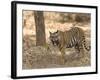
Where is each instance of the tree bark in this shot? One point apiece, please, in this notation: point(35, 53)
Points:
point(40, 28)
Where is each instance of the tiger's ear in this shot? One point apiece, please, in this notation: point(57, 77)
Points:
point(50, 32)
point(57, 31)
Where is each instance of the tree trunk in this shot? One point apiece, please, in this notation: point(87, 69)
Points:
point(40, 28)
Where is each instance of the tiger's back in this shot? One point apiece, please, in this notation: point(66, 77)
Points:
point(73, 37)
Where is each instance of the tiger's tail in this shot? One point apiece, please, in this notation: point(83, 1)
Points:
point(85, 46)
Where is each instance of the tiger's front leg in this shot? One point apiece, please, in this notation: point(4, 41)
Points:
point(62, 50)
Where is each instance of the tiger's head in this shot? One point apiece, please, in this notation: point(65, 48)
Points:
point(54, 38)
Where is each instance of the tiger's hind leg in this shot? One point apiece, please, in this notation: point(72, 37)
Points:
point(80, 50)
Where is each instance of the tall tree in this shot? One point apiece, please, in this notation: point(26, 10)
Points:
point(40, 28)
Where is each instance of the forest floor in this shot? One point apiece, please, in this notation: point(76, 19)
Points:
point(40, 57)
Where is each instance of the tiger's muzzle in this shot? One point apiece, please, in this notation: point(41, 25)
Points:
point(55, 42)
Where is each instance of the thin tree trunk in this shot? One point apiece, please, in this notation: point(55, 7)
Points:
point(40, 28)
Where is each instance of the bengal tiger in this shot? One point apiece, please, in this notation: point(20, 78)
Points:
point(75, 37)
